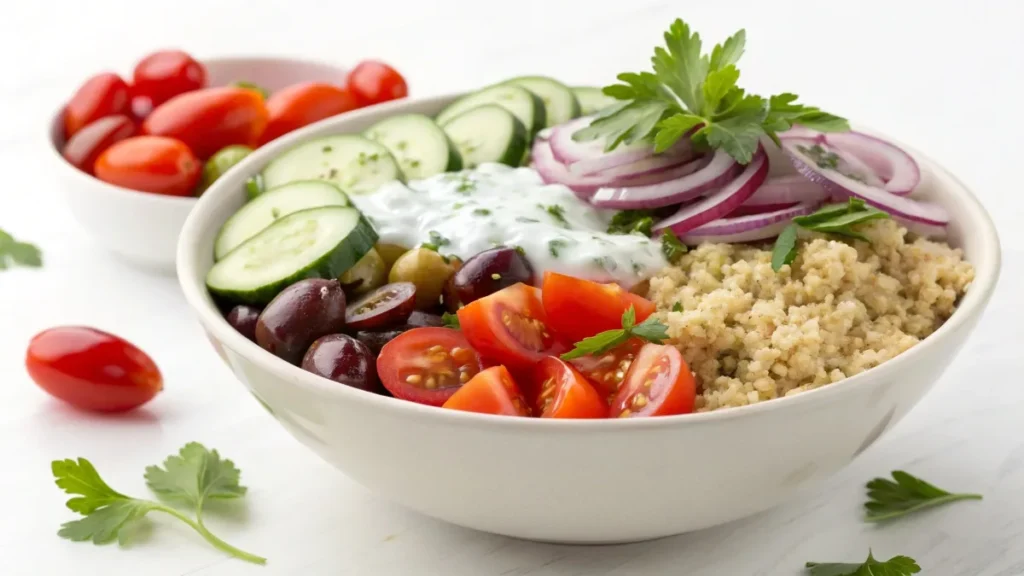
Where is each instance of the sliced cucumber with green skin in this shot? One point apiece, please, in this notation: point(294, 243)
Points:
point(353, 163)
point(525, 105)
point(560, 104)
point(488, 133)
point(419, 145)
point(592, 100)
point(315, 243)
point(268, 207)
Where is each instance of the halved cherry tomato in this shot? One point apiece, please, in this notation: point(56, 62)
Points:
point(606, 371)
point(210, 119)
point(659, 383)
point(165, 74)
point(92, 369)
point(427, 365)
point(373, 82)
point(492, 391)
point(562, 392)
point(150, 164)
point(102, 95)
point(87, 144)
point(302, 104)
point(578, 308)
point(509, 327)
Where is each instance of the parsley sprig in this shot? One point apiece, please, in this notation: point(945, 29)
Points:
point(895, 566)
point(838, 219)
point(696, 95)
point(193, 477)
point(451, 321)
point(905, 494)
point(15, 253)
point(650, 330)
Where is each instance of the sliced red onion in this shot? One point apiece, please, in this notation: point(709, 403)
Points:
point(783, 191)
point(748, 228)
point(720, 203)
point(892, 164)
point(585, 158)
point(713, 173)
point(746, 210)
point(802, 152)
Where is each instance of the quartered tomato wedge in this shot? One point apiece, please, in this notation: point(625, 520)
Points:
point(427, 365)
point(606, 371)
point(578, 308)
point(562, 392)
point(659, 383)
point(509, 327)
point(492, 391)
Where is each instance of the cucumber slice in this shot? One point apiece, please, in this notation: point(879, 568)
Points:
point(263, 210)
point(353, 163)
point(488, 133)
point(315, 243)
point(560, 104)
point(418, 143)
point(592, 100)
point(525, 105)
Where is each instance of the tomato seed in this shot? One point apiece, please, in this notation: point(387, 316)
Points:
point(639, 401)
point(625, 413)
point(431, 383)
point(413, 379)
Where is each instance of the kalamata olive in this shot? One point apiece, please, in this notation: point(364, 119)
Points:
point(424, 319)
point(243, 318)
point(300, 314)
point(388, 305)
point(488, 272)
point(344, 359)
point(376, 339)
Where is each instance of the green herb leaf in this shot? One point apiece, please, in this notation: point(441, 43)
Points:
point(672, 247)
point(650, 330)
point(718, 84)
point(629, 318)
point(13, 252)
point(895, 566)
point(451, 321)
point(254, 87)
point(630, 221)
point(194, 476)
point(558, 213)
point(481, 212)
point(784, 251)
point(556, 245)
point(905, 494)
point(672, 128)
point(677, 307)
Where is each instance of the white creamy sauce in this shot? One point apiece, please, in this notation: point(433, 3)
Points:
point(467, 212)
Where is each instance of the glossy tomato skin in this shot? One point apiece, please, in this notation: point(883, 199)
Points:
point(427, 365)
point(373, 82)
point(509, 327)
point(150, 164)
point(82, 149)
point(492, 391)
point(659, 383)
point(578, 308)
point(607, 370)
point(562, 392)
point(301, 104)
point(91, 369)
point(162, 75)
point(102, 95)
point(210, 119)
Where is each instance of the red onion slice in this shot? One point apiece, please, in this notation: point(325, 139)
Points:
point(898, 169)
point(584, 158)
point(783, 191)
point(748, 228)
point(720, 203)
point(746, 210)
point(713, 173)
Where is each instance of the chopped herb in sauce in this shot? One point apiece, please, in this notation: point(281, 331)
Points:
point(558, 213)
point(481, 212)
point(630, 221)
point(327, 149)
point(525, 220)
point(401, 145)
point(823, 158)
point(332, 173)
point(466, 186)
point(555, 245)
point(436, 241)
point(458, 205)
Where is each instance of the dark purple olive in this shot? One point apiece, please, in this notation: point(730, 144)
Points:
point(376, 339)
point(300, 314)
point(420, 319)
point(344, 359)
point(386, 306)
point(243, 318)
point(485, 274)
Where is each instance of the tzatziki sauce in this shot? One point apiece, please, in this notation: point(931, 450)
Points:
point(465, 213)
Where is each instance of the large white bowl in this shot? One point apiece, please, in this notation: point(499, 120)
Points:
point(599, 481)
point(143, 228)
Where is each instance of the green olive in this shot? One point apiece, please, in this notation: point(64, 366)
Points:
point(219, 163)
point(390, 253)
point(368, 274)
point(427, 270)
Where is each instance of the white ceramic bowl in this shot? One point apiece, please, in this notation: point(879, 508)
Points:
point(598, 481)
point(143, 228)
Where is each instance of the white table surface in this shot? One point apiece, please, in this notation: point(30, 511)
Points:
point(947, 78)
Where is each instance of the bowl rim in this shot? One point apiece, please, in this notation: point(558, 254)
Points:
point(193, 286)
point(55, 128)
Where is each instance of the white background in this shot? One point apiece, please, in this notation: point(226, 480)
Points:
point(945, 76)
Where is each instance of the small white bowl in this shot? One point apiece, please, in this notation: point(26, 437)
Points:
point(596, 481)
point(141, 227)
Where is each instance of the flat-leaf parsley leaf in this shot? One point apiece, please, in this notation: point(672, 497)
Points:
point(650, 330)
point(13, 252)
point(895, 566)
point(905, 494)
point(838, 219)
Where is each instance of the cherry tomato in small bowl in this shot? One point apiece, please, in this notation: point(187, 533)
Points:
point(102, 95)
point(510, 328)
point(427, 365)
point(87, 144)
point(91, 369)
point(210, 119)
point(150, 164)
point(578, 308)
point(562, 392)
point(373, 82)
point(659, 383)
point(298, 105)
point(162, 75)
point(492, 391)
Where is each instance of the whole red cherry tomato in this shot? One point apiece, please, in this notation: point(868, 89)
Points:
point(102, 95)
point(210, 119)
point(87, 144)
point(92, 369)
point(150, 164)
point(165, 74)
point(373, 82)
point(301, 104)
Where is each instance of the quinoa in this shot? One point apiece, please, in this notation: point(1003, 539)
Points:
point(752, 334)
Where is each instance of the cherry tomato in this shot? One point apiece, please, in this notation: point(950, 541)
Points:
point(578, 308)
point(607, 371)
point(492, 391)
point(150, 164)
point(91, 369)
point(373, 82)
point(87, 144)
point(659, 383)
point(210, 119)
point(165, 74)
point(301, 104)
point(102, 95)
point(427, 365)
point(562, 392)
point(510, 328)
